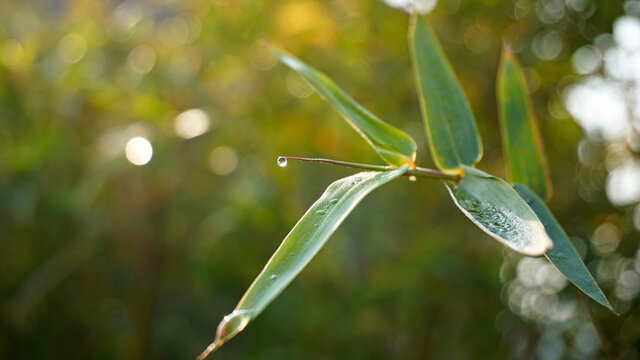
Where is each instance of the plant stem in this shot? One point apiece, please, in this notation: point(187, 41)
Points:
point(418, 171)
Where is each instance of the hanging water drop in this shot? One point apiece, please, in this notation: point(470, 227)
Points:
point(282, 161)
point(412, 178)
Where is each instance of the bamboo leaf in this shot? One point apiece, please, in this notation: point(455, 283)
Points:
point(563, 255)
point(451, 128)
point(499, 211)
point(521, 141)
point(300, 246)
point(393, 145)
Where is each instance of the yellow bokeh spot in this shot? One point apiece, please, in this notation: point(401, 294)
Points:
point(308, 18)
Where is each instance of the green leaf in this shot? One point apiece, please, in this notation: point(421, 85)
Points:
point(563, 255)
point(451, 128)
point(500, 212)
point(521, 141)
point(393, 145)
point(301, 245)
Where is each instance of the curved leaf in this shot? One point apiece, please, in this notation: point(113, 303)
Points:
point(521, 141)
point(563, 255)
point(300, 246)
point(451, 128)
point(393, 145)
point(500, 212)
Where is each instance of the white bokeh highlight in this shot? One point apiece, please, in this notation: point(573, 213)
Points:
point(191, 123)
point(138, 151)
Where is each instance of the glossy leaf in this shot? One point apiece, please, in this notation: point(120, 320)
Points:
point(521, 141)
point(301, 245)
point(393, 145)
point(451, 128)
point(563, 255)
point(499, 211)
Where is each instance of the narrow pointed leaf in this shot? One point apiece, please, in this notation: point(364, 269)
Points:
point(563, 255)
point(301, 245)
point(394, 146)
point(499, 211)
point(521, 141)
point(451, 128)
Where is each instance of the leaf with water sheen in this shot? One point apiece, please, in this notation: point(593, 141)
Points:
point(563, 255)
point(521, 141)
point(393, 145)
point(499, 211)
point(451, 128)
point(300, 246)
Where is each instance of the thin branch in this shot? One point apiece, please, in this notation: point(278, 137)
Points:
point(417, 172)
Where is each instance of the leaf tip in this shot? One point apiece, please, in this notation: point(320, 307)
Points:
point(605, 302)
point(539, 248)
point(229, 327)
point(506, 50)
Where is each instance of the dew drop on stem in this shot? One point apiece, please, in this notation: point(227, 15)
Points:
point(282, 161)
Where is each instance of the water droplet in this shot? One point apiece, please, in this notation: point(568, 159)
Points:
point(412, 178)
point(498, 220)
point(321, 212)
point(273, 277)
point(355, 181)
point(282, 161)
point(315, 225)
point(333, 201)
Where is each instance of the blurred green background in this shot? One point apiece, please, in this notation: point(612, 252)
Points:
point(101, 258)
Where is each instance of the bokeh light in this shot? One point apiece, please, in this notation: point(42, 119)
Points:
point(223, 160)
point(138, 151)
point(298, 86)
point(191, 123)
point(72, 48)
point(142, 59)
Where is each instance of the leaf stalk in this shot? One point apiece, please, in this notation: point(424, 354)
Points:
point(417, 172)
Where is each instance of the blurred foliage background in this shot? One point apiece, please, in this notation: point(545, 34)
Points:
point(139, 194)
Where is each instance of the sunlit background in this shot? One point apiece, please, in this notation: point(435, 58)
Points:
point(140, 195)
